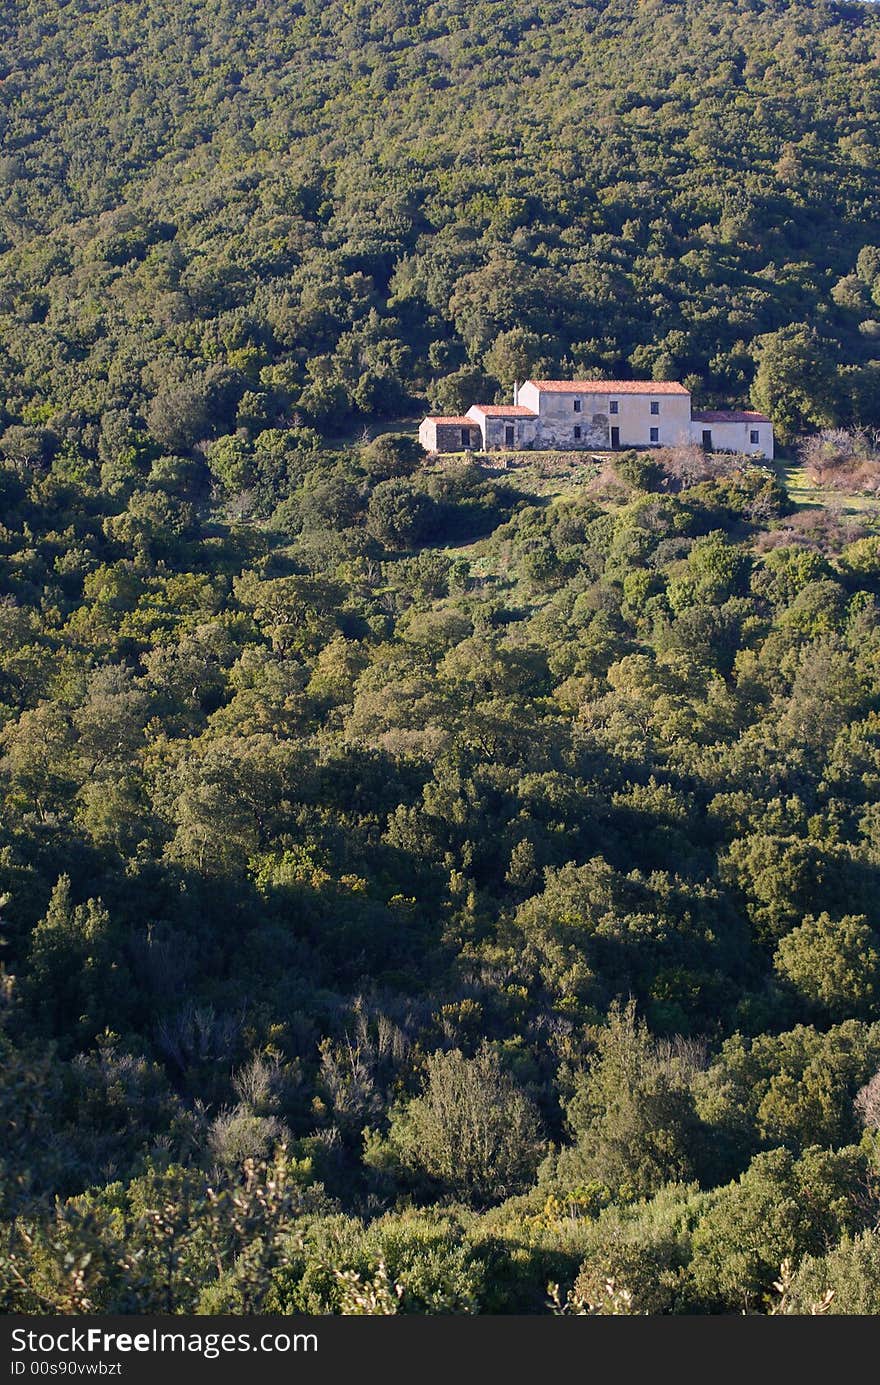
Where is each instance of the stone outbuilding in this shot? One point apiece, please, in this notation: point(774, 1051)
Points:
point(450, 434)
point(505, 425)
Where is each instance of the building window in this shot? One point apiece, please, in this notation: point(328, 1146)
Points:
point(577, 432)
point(655, 434)
point(612, 407)
point(577, 406)
point(508, 435)
point(754, 436)
point(465, 437)
point(655, 406)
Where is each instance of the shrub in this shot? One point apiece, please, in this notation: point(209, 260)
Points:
point(471, 1130)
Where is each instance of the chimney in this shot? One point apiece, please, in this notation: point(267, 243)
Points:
point(516, 392)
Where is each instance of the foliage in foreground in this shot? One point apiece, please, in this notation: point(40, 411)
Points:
point(507, 913)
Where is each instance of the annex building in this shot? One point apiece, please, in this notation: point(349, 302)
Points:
point(598, 414)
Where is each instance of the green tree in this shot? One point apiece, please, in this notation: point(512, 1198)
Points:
point(795, 380)
point(69, 962)
point(780, 1209)
point(178, 416)
point(393, 454)
point(515, 356)
point(632, 1112)
point(399, 515)
point(833, 963)
point(851, 1271)
point(472, 1130)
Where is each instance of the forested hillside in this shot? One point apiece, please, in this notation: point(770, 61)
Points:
point(426, 884)
point(222, 215)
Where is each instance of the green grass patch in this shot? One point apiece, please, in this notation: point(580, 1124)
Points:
point(807, 495)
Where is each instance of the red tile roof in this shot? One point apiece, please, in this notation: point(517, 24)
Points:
point(505, 410)
point(609, 386)
point(728, 416)
point(453, 420)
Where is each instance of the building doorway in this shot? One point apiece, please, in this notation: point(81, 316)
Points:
point(615, 437)
point(508, 435)
point(707, 439)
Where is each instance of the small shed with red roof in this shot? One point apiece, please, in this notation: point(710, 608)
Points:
point(733, 430)
point(449, 433)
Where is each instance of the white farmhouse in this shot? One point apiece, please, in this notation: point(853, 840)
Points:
point(598, 414)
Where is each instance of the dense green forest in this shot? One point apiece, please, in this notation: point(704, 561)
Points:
point(231, 215)
point(426, 884)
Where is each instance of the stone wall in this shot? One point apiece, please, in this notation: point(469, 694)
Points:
point(557, 424)
point(559, 417)
point(495, 434)
point(437, 436)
